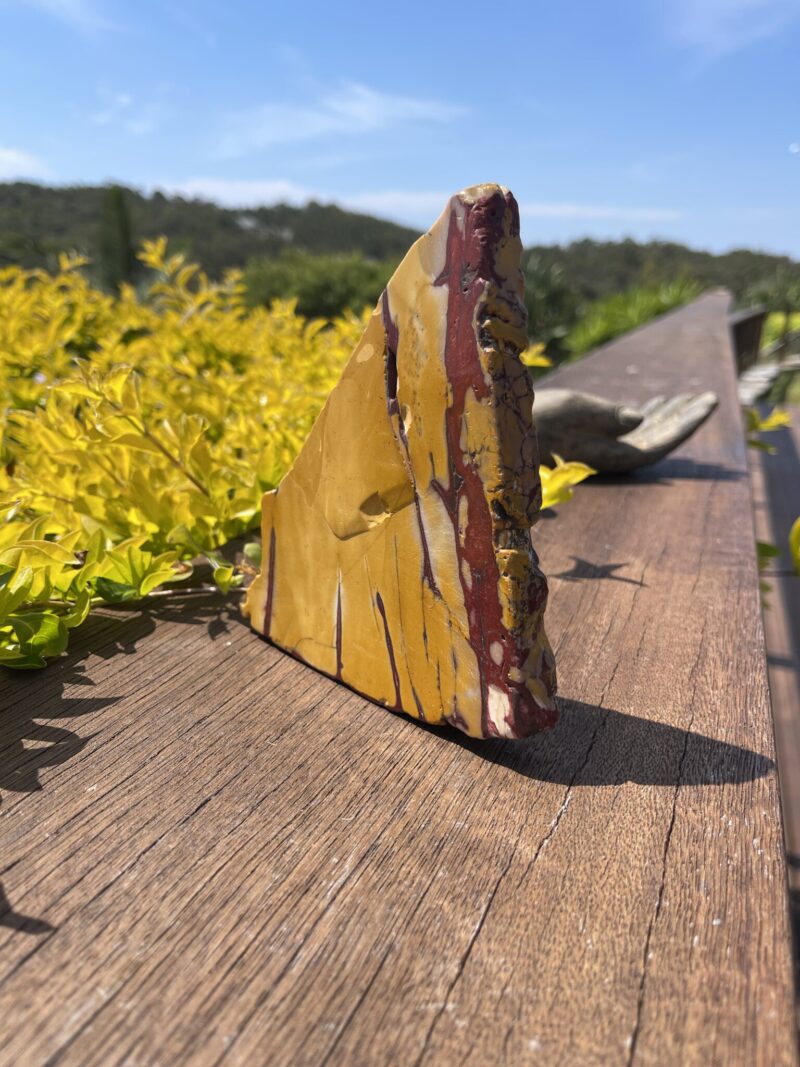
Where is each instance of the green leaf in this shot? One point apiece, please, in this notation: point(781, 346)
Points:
point(14, 592)
point(557, 482)
point(159, 576)
point(794, 543)
point(36, 554)
point(765, 551)
point(79, 610)
point(11, 656)
point(762, 446)
point(114, 386)
point(534, 356)
point(225, 577)
point(776, 420)
point(78, 389)
point(253, 551)
point(39, 634)
point(9, 509)
point(137, 441)
point(115, 592)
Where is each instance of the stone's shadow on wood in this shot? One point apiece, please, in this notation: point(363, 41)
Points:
point(582, 569)
point(593, 746)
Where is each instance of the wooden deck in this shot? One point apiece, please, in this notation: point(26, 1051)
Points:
point(213, 855)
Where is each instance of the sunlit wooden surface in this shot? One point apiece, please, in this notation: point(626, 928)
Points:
point(210, 854)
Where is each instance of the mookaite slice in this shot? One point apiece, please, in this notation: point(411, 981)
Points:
point(397, 550)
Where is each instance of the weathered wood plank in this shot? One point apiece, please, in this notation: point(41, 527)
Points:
point(776, 497)
point(243, 862)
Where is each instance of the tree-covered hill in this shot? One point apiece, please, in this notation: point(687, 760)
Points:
point(600, 268)
point(37, 222)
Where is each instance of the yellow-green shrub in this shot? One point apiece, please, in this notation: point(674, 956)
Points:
point(777, 324)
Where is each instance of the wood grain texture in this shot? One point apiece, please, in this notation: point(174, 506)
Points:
point(213, 855)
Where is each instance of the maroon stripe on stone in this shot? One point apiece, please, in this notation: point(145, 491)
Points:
point(270, 583)
point(471, 250)
point(339, 630)
point(390, 648)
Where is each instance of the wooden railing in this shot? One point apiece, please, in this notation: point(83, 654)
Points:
point(213, 855)
point(747, 326)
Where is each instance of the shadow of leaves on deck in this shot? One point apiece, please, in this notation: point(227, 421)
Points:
point(30, 696)
point(582, 569)
point(29, 746)
point(15, 920)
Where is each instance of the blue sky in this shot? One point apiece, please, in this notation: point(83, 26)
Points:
point(648, 118)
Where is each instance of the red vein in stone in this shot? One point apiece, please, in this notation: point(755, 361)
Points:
point(339, 629)
point(390, 649)
point(270, 583)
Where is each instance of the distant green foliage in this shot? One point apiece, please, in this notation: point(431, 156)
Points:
point(608, 318)
point(323, 285)
point(552, 304)
point(601, 268)
point(38, 222)
point(755, 425)
point(780, 295)
point(775, 326)
point(117, 255)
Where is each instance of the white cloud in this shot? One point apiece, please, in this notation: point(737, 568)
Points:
point(400, 205)
point(122, 111)
point(17, 163)
point(597, 211)
point(238, 193)
point(114, 104)
point(349, 109)
point(716, 27)
point(418, 208)
point(243, 193)
point(82, 15)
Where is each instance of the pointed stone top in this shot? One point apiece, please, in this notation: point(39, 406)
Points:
point(474, 193)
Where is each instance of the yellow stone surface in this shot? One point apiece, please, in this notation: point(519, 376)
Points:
point(397, 550)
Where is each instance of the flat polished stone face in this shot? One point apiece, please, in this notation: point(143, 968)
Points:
point(397, 550)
